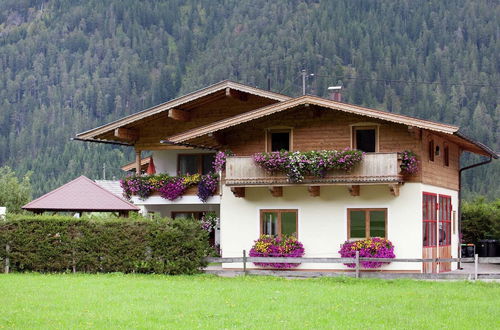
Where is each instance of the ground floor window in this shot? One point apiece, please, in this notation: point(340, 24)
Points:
point(444, 220)
point(429, 219)
point(365, 223)
point(188, 214)
point(279, 222)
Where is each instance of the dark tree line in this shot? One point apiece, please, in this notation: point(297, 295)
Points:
point(67, 66)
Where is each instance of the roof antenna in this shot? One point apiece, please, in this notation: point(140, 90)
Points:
point(304, 75)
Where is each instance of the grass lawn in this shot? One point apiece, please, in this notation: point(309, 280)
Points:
point(204, 301)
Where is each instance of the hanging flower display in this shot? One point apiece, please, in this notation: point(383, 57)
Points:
point(409, 163)
point(169, 187)
point(270, 246)
point(298, 164)
point(219, 163)
point(368, 248)
point(209, 221)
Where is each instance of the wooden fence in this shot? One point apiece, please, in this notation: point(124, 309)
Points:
point(356, 261)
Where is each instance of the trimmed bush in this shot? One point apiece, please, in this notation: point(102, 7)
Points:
point(63, 244)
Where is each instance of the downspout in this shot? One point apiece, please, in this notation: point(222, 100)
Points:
point(460, 203)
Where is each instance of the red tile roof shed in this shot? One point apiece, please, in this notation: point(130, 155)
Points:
point(80, 195)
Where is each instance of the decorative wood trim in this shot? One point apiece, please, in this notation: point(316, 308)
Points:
point(394, 189)
point(276, 191)
point(354, 190)
point(314, 191)
point(236, 94)
point(180, 115)
point(126, 134)
point(238, 192)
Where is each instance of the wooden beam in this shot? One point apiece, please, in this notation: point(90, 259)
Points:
point(180, 115)
point(238, 192)
point(394, 188)
point(276, 191)
point(314, 191)
point(138, 162)
point(126, 134)
point(236, 94)
point(354, 190)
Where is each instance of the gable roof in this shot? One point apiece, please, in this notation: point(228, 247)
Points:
point(328, 104)
point(79, 195)
point(91, 135)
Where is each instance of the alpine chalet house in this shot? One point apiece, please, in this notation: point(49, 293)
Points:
point(378, 191)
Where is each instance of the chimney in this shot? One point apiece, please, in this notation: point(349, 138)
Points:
point(335, 94)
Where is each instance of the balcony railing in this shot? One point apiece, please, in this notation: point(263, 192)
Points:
point(374, 168)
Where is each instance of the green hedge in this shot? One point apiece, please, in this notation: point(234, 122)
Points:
point(64, 244)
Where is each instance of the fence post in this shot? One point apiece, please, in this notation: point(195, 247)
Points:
point(476, 262)
point(244, 262)
point(7, 258)
point(357, 264)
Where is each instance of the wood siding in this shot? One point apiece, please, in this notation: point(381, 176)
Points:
point(316, 129)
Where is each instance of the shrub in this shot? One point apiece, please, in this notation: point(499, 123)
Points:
point(270, 246)
point(480, 220)
point(368, 248)
point(60, 244)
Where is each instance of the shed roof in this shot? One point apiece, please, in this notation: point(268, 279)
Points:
point(80, 195)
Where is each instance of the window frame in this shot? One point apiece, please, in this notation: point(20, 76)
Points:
point(446, 155)
point(199, 161)
point(433, 241)
point(269, 137)
point(365, 126)
point(367, 221)
point(200, 214)
point(445, 208)
point(279, 211)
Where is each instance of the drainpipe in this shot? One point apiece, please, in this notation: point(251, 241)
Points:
point(460, 203)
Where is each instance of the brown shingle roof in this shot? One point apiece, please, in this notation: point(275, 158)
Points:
point(80, 195)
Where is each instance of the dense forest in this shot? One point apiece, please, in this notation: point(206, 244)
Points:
point(67, 66)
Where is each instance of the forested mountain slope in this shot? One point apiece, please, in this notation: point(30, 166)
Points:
point(67, 66)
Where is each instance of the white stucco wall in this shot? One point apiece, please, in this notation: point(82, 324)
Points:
point(322, 221)
point(166, 160)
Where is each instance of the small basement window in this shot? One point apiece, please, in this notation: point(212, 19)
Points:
point(279, 140)
point(365, 138)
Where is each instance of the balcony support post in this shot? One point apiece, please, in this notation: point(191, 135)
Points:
point(276, 191)
point(353, 190)
point(137, 162)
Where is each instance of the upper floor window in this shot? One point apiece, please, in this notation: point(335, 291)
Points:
point(365, 223)
point(279, 139)
point(365, 138)
point(195, 163)
point(446, 155)
point(278, 222)
point(431, 150)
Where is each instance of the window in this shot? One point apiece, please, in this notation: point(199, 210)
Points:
point(195, 163)
point(279, 139)
point(446, 155)
point(429, 218)
point(278, 222)
point(444, 220)
point(365, 138)
point(365, 223)
point(188, 215)
point(431, 150)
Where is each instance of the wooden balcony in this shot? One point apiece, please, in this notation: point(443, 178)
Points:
point(375, 168)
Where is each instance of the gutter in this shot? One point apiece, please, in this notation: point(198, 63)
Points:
point(460, 202)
